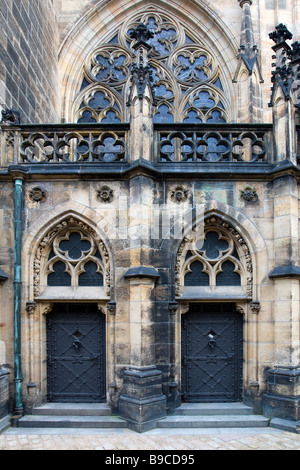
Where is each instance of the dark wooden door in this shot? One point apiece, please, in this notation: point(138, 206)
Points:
point(212, 353)
point(76, 359)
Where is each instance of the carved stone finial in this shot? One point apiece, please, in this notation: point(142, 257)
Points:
point(141, 33)
point(141, 73)
point(287, 59)
point(295, 53)
point(281, 34)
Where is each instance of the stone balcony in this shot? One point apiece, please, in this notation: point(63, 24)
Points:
point(204, 149)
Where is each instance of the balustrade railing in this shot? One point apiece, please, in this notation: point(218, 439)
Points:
point(74, 144)
point(110, 144)
point(212, 144)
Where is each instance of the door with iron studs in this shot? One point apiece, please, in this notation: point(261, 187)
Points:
point(212, 353)
point(76, 359)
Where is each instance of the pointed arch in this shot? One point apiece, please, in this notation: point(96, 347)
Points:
point(49, 251)
point(246, 247)
point(100, 24)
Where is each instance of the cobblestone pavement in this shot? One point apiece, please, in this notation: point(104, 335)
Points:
point(171, 440)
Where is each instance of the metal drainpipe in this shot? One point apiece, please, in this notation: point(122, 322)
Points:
point(17, 297)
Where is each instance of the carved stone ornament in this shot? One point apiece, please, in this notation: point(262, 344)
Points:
point(141, 33)
point(55, 235)
point(30, 307)
point(10, 117)
point(37, 195)
point(255, 307)
point(10, 139)
point(179, 194)
point(234, 240)
point(111, 308)
point(105, 194)
point(173, 307)
point(249, 194)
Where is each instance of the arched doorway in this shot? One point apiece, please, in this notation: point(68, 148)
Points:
point(69, 348)
point(214, 278)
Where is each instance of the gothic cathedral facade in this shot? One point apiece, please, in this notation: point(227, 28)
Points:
point(149, 206)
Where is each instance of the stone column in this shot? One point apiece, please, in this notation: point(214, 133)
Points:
point(283, 396)
point(282, 399)
point(142, 402)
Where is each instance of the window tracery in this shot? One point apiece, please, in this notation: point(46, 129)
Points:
point(186, 77)
point(221, 259)
point(71, 255)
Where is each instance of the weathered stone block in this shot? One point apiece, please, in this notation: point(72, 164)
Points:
point(282, 399)
point(4, 398)
point(142, 403)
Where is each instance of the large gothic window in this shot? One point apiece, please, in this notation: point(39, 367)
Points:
point(187, 82)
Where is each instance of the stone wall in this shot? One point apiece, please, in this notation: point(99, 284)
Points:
point(28, 59)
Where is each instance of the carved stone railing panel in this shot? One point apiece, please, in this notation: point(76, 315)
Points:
point(72, 145)
point(90, 144)
point(223, 143)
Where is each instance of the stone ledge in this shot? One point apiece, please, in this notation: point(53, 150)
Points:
point(142, 272)
point(285, 271)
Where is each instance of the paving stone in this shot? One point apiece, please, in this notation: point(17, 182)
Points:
point(214, 439)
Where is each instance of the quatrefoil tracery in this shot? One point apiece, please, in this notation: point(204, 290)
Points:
point(72, 253)
point(216, 255)
point(179, 63)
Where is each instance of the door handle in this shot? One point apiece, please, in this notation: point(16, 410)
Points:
point(76, 344)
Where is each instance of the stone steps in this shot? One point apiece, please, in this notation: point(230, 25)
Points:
point(72, 415)
point(189, 415)
point(213, 415)
point(79, 409)
point(54, 421)
point(213, 409)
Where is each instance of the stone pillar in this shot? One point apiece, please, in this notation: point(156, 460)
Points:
point(142, 402)
point(282, 399)
point(283, 396)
